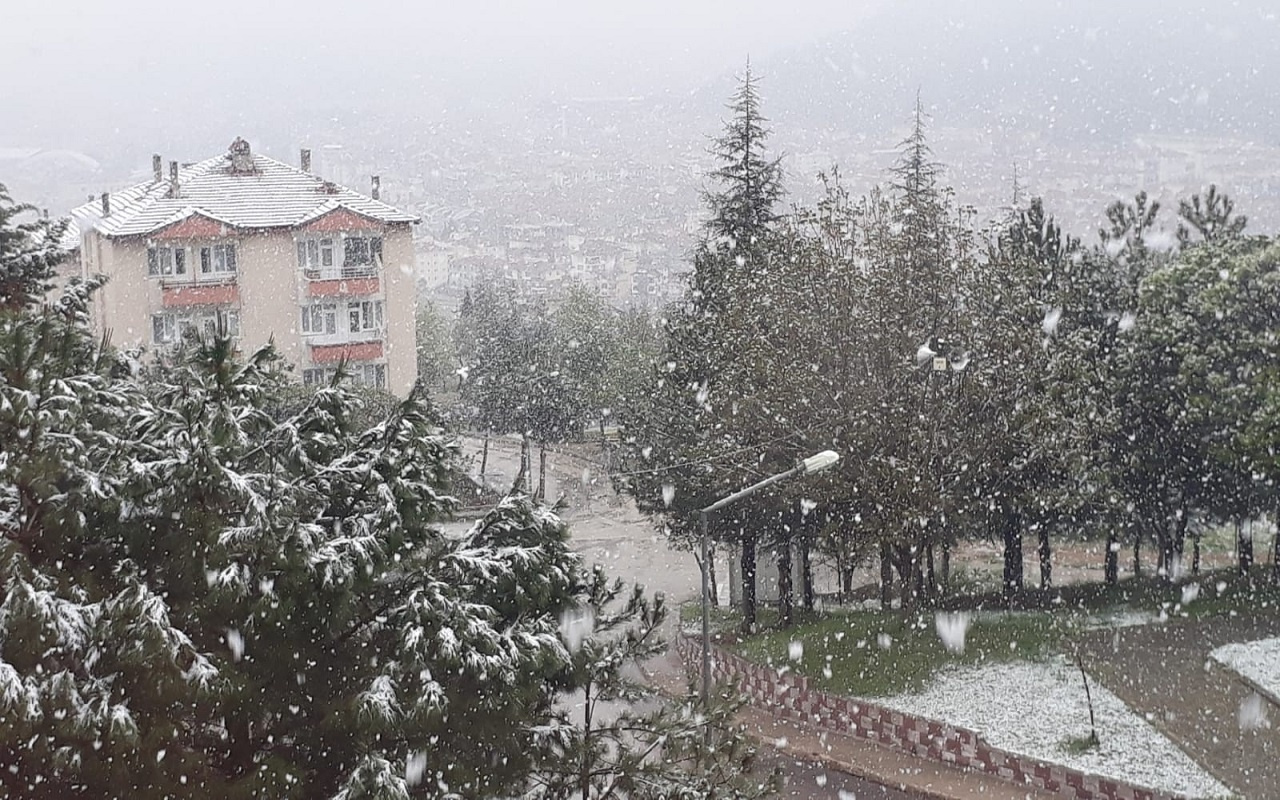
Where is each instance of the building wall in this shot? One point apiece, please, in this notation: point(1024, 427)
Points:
point(401, 291)
point(271, 291)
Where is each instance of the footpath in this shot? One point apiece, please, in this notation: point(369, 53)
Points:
point(846, 754)
point(1164, 672)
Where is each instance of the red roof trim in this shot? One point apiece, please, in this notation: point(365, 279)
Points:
point(342, 219)
point(196, 226)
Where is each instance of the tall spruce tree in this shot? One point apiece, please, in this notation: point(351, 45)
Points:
point(684, 448)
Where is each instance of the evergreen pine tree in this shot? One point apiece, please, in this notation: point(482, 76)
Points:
point(688, 422)
point(29, 250)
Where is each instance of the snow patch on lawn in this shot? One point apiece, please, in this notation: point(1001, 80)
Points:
point(1258, 661)
point(1035, 708)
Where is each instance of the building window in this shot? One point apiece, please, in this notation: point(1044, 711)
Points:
point(166, 261)
point(317, 376)
point(218, 260)
point(364, 316)
point(315, 253)
point(319, 318)
point(362, 251)
point(174, 327)
point(374, 375)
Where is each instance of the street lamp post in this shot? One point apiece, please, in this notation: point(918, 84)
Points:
point(810, 465)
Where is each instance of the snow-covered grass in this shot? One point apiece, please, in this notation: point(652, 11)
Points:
point(861, 654)
point(1038, 709)
point(1258, 661)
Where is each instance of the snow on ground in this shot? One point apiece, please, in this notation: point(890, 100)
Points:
point(1258, 661)
point(1034, 708)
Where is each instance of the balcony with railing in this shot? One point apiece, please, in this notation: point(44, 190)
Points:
point(346, 351)
point(185, 294)
point(336, 266)
point(341, 281)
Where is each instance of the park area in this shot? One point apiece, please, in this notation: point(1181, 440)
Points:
point(1169, 685)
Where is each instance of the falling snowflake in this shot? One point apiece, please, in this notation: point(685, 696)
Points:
point(952, 628)
point(576, 625)
point(1050, 323)
point(1253, 713)
point(415, 768)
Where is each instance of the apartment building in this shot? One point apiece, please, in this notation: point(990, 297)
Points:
point(270, 251)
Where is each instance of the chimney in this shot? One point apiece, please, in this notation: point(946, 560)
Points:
point(157, 167)
point(306, 159)
point(377, 187)
point(106, 204)
point(173, 178)
point(241, 156)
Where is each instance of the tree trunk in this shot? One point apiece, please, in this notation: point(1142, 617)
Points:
point(1012, 534)
point(786, 592)
point(748, 580)
point(1244, 547)
point(1180, 541)
point(1195, 553)
point(542, 470)
point(1137, 554)
point(806, 575)
point(1046, 558)
point(484, 458)
point(946, 564)
point(604, 446)
point(931, 578)
point(1275, 548)
point(1111, 562)
point(912, 577)
point(522, 476)
point(711, 574)
point(886, 577)
point(1166, 553)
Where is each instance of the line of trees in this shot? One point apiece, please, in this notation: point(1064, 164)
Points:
point(998, 381)
point(548, 371)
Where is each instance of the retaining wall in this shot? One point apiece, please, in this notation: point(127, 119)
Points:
point(790, 696)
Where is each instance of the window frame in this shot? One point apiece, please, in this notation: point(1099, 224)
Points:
point(365, 316)
point(166, 261)
point(326, 313)
point(218, 261)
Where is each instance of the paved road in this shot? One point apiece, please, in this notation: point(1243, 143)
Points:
point(1163, 671)
point(807, 780)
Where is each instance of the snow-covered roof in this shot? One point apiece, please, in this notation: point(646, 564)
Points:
point(267, 194)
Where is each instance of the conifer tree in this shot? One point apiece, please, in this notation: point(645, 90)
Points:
point(676, 442)
point(29, 250)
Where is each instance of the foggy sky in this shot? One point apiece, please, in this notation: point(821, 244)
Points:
point(146, 67)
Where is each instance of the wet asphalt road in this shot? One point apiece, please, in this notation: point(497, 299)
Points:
point(806, 780)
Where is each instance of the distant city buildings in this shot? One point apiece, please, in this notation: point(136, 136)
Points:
point(267, 250)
